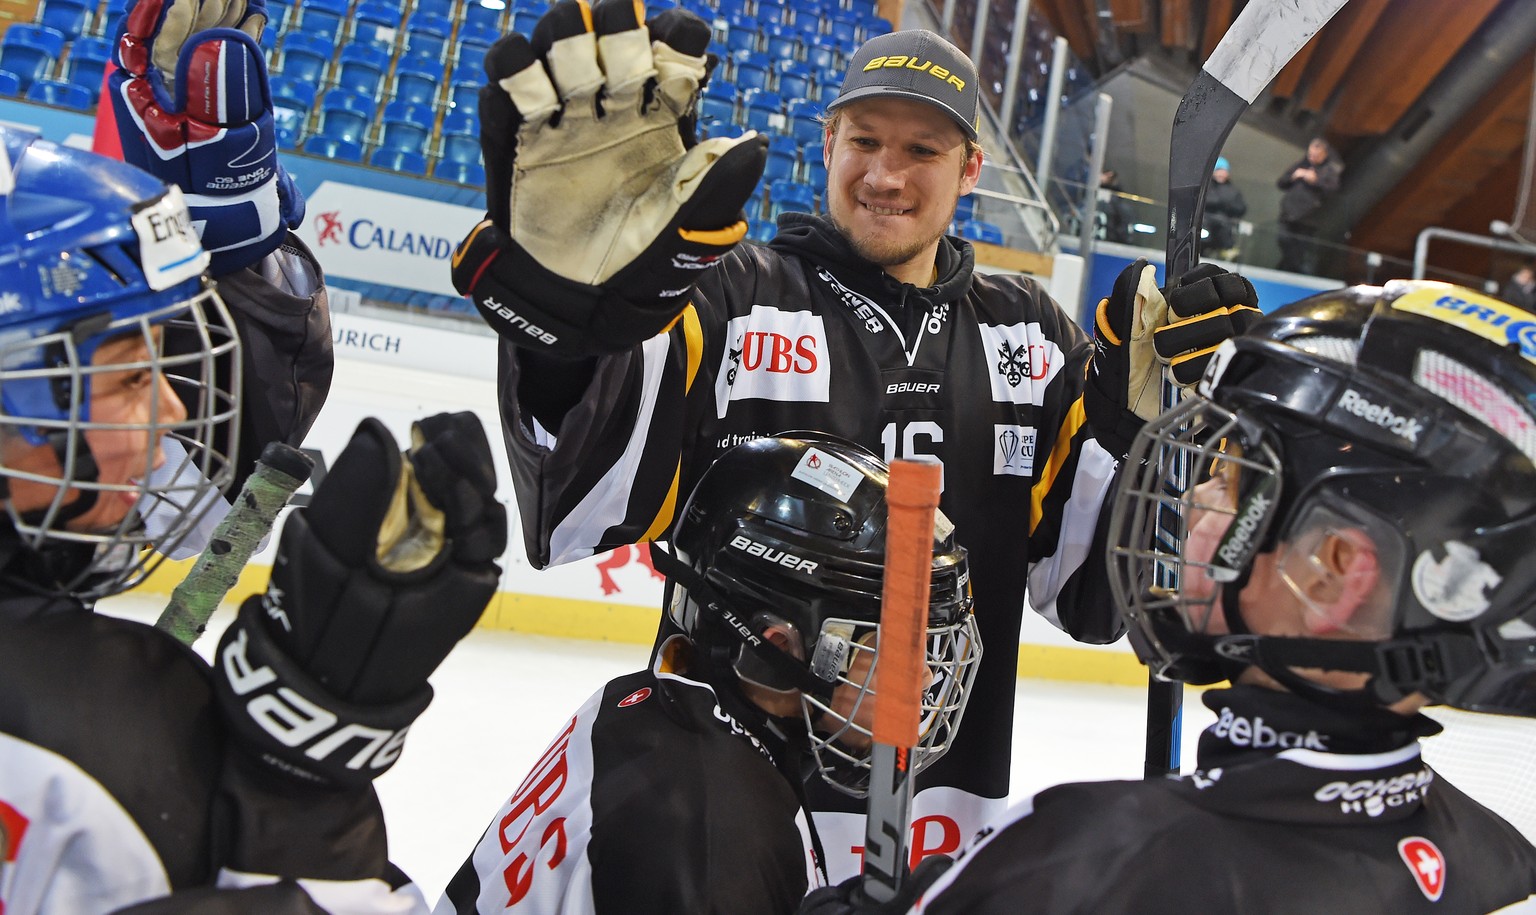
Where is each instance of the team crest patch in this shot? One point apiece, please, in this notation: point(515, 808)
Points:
point(636, 697)
point(1426, 864)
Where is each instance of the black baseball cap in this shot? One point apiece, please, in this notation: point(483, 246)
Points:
point(916, 64)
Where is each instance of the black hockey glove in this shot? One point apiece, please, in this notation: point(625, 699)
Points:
point(1139, 329)
point(389, 565)
point(602, 208)
point(847, 898)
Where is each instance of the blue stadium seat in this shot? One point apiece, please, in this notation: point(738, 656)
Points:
point(742, 37)
point(471, 173)
point(763, 111)
point(61, 94)
point(523, 21)
point(875, 27)
point(306, 57)
point(376, 22)
point(334, 148)
point(761, 230)
point(460, 139)
point(278, 17)
point(965, 209)
point(30, 51)
point(779, 167)
point(71, 18)
point(361, 69)
point(464, 95)
point(843, 27)
point(86, 62)
point(426, 35)
point(323, 18)
point(106, 24)
point(406, 126)
point(790, 197)
point(976, 230)
point(814, 172)
point(476, 38)
point(752, 70)
point(292, 102)
point(718, 101)
point(772, 14)
point(821, 55)
point(345, 115)
point(416, 80)
point(471, 64)
point(9, 84)
point(490, 17)
point(782, 43)
point(399, 160)
point(795, 79)
point(436, 7)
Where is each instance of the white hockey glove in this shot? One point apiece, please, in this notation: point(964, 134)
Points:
point(1139, 329)
point(602, 208)
point(193, 109)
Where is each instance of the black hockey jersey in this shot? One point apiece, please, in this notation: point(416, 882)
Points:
point(653, 800)
point(1294, 809)
point(982, 372)
point(118, 786)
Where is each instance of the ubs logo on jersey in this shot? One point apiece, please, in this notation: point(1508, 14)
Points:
point(1013, 450)
point(1022, 362)
point(774, 355)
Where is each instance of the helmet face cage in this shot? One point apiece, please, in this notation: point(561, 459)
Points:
point(952, 655)
point(1235, 477)
point(47, 386)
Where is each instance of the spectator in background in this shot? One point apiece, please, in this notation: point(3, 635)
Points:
point(1521, 288)
point(1224, 206)
point(1306, 185)
point(1116, 220)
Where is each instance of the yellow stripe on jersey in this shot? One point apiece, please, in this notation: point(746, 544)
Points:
point(1061, 449)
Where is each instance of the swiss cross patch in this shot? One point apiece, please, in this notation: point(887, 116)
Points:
point(636, 697)
point(1425, 863)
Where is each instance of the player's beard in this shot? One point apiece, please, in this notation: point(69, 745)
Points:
point(887, 252)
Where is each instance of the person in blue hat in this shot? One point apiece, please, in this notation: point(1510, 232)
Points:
point(1224, 206)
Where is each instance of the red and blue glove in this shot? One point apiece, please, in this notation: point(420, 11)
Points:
point(194, 110)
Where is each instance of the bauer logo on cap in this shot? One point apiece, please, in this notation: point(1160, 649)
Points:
point(916, 64)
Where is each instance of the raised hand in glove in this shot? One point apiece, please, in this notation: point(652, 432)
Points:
point(601, 207)
point(375, 580)
point(194, 110)
point(1139, 329)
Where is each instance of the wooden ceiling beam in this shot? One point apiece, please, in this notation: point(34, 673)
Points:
point(1341, 44)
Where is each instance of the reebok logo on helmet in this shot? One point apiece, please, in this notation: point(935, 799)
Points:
point(1404, 427)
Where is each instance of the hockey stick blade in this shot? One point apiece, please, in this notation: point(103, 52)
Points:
point(280, 471)
point(911, 498)
point(1261, 41)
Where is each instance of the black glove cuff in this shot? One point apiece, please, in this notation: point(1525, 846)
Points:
point(292, 723)
point(1113, 423)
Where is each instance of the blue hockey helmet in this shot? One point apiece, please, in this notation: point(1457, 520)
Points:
point(102, 294)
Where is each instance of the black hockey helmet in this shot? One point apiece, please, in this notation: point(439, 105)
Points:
point(791, 531)
point(1406, 413)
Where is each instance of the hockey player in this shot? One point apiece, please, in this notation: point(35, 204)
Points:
point(638, 344)
point(132, 775)
point(1361, 547)
point(675, 789)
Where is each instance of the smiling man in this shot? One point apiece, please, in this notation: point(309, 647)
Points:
point(660, 342)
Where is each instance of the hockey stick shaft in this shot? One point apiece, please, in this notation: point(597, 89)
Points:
point(911, 497)
point(1260, 42)
point(280, 471)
